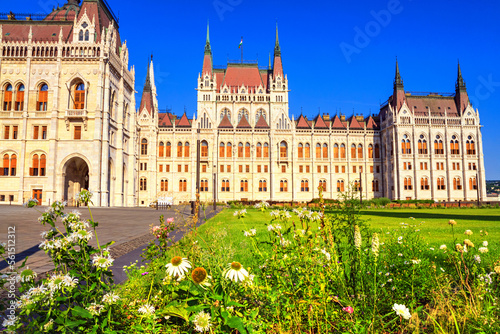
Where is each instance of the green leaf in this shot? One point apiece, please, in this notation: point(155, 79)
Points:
point(177, 311)
point(79, 311)
point(74, 323)
point(237, 323)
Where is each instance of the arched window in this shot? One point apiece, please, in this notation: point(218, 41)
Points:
point(472, 183)
point(259, 113)
point(142, 184)
point(283, 186)
point(144, 146)
point(353, 151)
point(377, 151)
point(454, 145)
point(325, 150)
point(469, 146)
point(457, 185)
point(186, 149)
point(222, 150)
point(407, 183)
point(79, 96)
point(13, 165)
point(375, 185)
point(335, 151)
point(318, 151)
point(161, 149)
point(7, 98)
point(244, 185)
point(422, 145)
point(204, 185)
point(405, 145)
point(19, 105)
point(283, 149)
point(225, 112)
point(360, 151)
point(438, 146)
point(322, 185)
point(242, 113)
point(357, 185)
point(43, 165)
point(204, 149)
point(247, 150)
point(266, 150)
point(41, 104)
point(262, 185)
point(5, 166)
point(440, 183)
point(86, 35)
point(424, 183)
point(168, 150)
point(225, 185)
point(240, 150)
point(179, 150)
point(370, 151)
point(340, 185)
point(342, 151)
point(229, 150)
point(304, 185)
point(164, 185)
point(259, 150)
point(307, 151)
point(80, 35)
point(182, 185)
point(300, 150)
point(35, 163)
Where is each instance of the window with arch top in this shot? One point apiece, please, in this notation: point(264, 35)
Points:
point(204, 149)
point(470, 146)
point(79, 96)
point(161, 149)
point(144, 146)
point(168, 150)
point(7, 97)
point(41, 104)
point(186, 149)
point(283, 149)
point(454, 145)
point(438, 145)
point(19, 104)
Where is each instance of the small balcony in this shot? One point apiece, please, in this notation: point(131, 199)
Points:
point(76, 113)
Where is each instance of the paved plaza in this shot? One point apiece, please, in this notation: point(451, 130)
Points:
point(128, 227)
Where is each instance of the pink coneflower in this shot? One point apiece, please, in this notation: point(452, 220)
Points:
point(348, 309)
point(145, 273)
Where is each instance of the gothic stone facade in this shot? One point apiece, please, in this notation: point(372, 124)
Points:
point(418, 147)
point(67, 111)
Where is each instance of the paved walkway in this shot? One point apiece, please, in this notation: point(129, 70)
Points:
point(128, 227)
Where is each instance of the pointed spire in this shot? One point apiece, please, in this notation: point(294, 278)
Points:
point(398, 82)
point(269, 59)
point(208, 49)
point(277, 50)
point(460, 81)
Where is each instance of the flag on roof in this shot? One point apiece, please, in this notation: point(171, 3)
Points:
point(241, 43)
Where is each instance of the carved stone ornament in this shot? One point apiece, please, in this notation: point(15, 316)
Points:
point(67, 124)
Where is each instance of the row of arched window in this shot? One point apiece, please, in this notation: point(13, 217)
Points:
point(9, 165)
point(438, 145)
point(262, 151)
point(440, 183)
point(262, 185)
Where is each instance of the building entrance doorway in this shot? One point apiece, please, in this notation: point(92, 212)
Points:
point(76, 178)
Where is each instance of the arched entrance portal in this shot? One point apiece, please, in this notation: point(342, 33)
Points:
point(76, 178)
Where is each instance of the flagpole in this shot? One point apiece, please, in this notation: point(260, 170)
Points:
point(242, 49)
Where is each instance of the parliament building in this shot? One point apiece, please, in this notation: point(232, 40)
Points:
point(69, 121)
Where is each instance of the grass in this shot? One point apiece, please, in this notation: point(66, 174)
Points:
point(435, 229)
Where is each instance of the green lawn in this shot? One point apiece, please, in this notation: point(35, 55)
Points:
point(435, 229)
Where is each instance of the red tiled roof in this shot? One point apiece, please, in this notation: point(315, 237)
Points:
point(277, 67)
point(302, 123)
point(261, 123)
point(207, 65)
point(184, 121)
point(370, 123)
point(320, 123)
point(42, 31)
point(225, 122)
point(355, 124)
point(146, 101)
point(436, 104)
point(238, 76)
point(164, 120)
point(243, 123)
point(337, 124)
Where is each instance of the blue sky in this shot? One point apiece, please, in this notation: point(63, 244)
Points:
point(338, 55)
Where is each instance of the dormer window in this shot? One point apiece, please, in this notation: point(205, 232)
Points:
point(206, 81)
point(84, 25)
point(242, 91)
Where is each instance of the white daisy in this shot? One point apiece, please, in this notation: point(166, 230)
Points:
point(27, 275)
point(236, 272)
point(250, 233)
point(402, 311)
point(201, 322)
point(102, 261)
point(178, 266)
point(483, 250)
point(485, 243)
point(442, 247)
point(110, 298)
point(95, 309)
point(146, 309)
